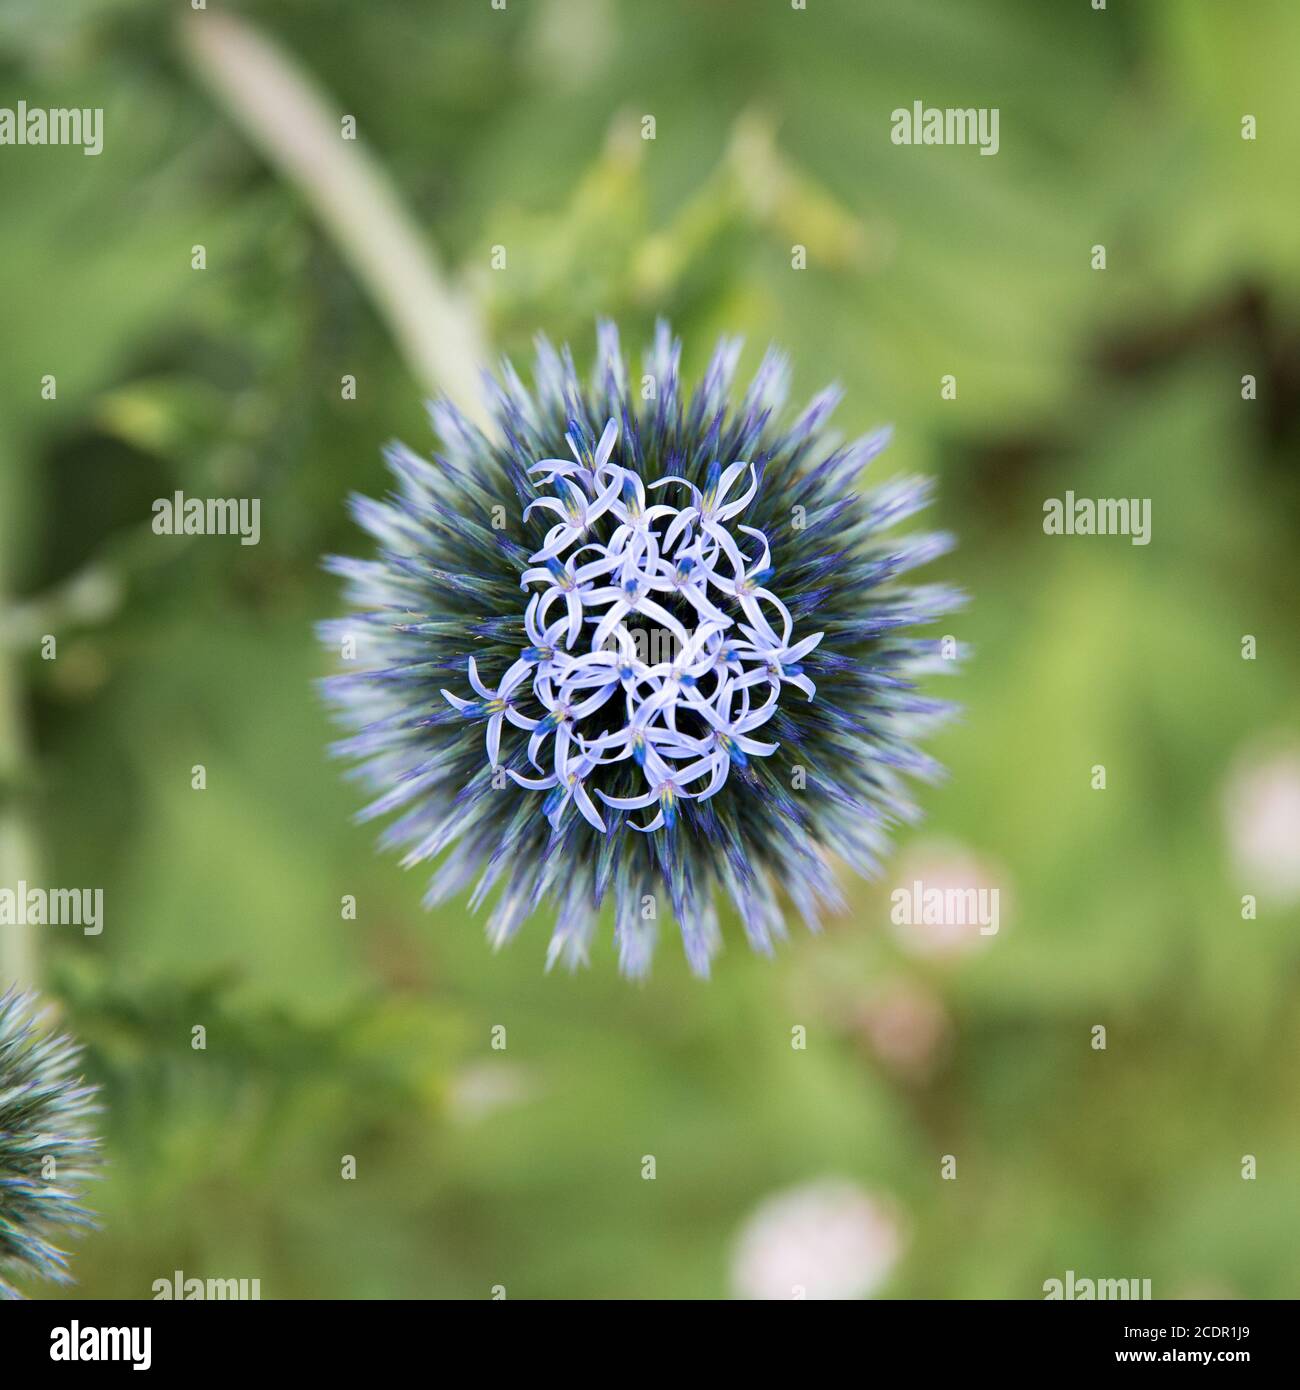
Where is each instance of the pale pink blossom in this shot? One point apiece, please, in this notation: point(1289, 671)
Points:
point(829, 1239)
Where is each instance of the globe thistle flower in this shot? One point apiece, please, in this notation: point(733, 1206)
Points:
point(46, 1146)
point(645, 646)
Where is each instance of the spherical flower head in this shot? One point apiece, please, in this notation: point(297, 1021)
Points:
point(47, 1149)
point(644, 649)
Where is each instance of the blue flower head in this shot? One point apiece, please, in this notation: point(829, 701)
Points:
point(47, 1149)
point(644, 648)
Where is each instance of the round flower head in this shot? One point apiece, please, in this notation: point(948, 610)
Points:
point(46, 1147)
point(644, 649)
point(829, 1239)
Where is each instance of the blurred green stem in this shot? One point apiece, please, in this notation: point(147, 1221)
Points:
point(18, 848)
point(298, 128)
point(18, 852)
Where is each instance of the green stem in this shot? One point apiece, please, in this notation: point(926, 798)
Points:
point(19, 852)
point(19, 860)
point(297, 126)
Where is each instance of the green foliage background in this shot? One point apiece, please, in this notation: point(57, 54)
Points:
point(371, 1038)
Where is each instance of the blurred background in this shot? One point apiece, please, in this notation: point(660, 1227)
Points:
point(775, 1166)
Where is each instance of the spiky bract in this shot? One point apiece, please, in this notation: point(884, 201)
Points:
point(777, 582)
point(47, 1147)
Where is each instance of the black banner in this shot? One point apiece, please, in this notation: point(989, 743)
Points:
point(165, 1338)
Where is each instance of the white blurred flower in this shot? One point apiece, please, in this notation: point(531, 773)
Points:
point(1261, 804)
point(975, 898)
point(481, 1089)
point(824, 1240)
